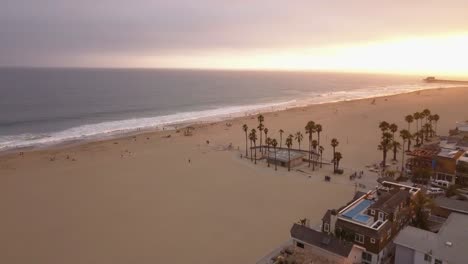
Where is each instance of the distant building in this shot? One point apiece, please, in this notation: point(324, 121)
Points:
point(448, 246)
point(372, 220)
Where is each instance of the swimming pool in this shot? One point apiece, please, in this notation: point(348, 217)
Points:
point(358, 209)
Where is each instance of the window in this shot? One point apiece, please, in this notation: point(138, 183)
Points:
point(372, 212)
point(366, 257)
point(326, 227)
point(438, 261)
point(299, 244)
point(381, 216)
point(372, 240)
point(359, 238)
point(427, 257)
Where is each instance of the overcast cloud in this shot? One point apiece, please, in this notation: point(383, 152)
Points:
point(50, 32)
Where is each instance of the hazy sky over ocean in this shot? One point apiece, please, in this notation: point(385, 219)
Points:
point(163, 33)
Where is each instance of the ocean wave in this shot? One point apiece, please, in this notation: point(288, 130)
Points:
point(113, 128)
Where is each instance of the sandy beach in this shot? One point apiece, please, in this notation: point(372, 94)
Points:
point(139, 200)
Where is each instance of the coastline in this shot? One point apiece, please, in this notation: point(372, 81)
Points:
point(280, 107)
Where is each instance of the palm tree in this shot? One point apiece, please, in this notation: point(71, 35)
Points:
point(416, 117)
point(265, 130)
point(274, 143)
point(384, 126)
point(321, 149)
point(253, 138)
point(436, 118)
point(396, 146)
point(409, 119)
point(314, 146)
point(299, 138)
point(246, 128)
point(393, 128)
point(309, 128)
point(426, 113)
point(289, 142)
point(334, 144)
point(416, 135)
point(318, 129)
point(384, 146)
point(427, 128)
point(281, 131)
point(337, 159)
point(406, 136)
point(268, 143)
point(420, 206)
point(260, 128)
point(260, 118)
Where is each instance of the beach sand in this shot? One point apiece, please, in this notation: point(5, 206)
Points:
point(139, 200)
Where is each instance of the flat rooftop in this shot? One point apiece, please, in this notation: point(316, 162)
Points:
point(282, 155)
point(449, 244)
point(450, 153)
point(356, 211)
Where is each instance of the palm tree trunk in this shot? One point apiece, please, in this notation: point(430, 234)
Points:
point(309, 150)
point(268, 155)
point(276, 168)
point(251, 156)
point(384, 161)
point(255, 149)
point(403, 157)
point(318, 139)
point(281, 140)
point(321, 160)
point(313, 163)
point(260, 141)
point(289, 158)
point(246, 146)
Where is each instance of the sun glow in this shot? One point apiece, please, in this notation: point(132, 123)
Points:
point(442, 55)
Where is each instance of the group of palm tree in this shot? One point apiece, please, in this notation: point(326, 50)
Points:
point(388, 141)
point(314, 146)
point(426, 126)
point(423, 133)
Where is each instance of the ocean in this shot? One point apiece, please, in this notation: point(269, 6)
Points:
point(42, 107)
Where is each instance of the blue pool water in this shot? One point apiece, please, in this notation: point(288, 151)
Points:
point(357, 209)
point(362, 218)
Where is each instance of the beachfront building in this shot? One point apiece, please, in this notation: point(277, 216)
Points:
point(372, 221)
point(462, 169)
point(422, 157)
point(283, 158)
point(445, 163)
point(318, 247)
point(449, 245)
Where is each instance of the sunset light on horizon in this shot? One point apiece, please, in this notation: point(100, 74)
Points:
point(399, 37)
point(441, 55)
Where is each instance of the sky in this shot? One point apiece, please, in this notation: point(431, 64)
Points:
point(357, 36)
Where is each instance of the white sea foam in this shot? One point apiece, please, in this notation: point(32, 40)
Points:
point(113, 128)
